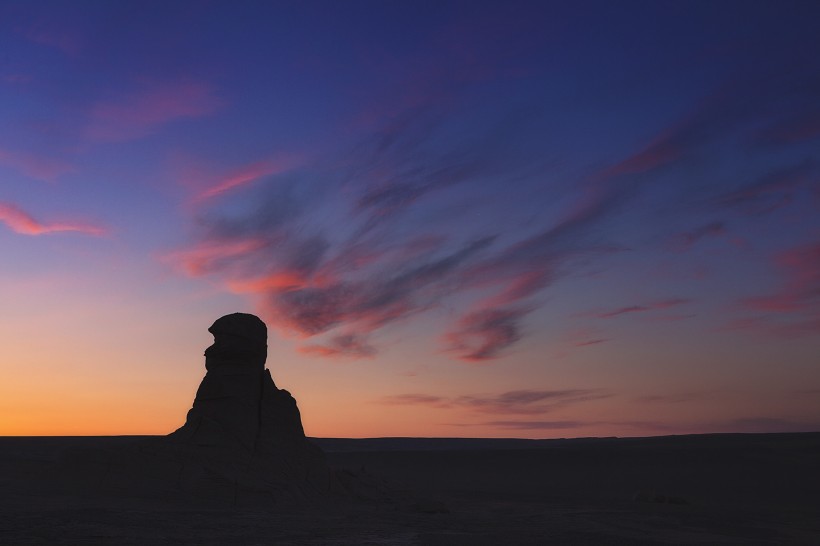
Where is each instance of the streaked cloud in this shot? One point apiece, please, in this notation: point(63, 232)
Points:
point(149, 106)
point(248, 174)
point(34, 165)
point(345, 346)
point(793, 308)
point(19, 221)
point(519, 402)
point(771, 191)
point(640, 308)
point(484, 334)
point(686, 240)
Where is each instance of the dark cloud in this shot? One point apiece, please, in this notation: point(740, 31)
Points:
point(793, 308)
point(529, 401)
point(590, 342)
point(415, 400)
point(411, 219)
point(771, 191)
point(672, 398)
point(642, 308)
point(686, 240)
point(483, 334)
point(345, 345)
point(520, 402)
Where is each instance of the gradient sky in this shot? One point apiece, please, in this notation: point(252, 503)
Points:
point(457, 218)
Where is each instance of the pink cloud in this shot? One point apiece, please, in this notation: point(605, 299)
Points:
point(145, 110)
point(211, 255)
point(521, 286)
point(651, 306)
point(415, 400)
point(19, 221)
point(34, 166)
point(249, 174)
point(772, 327)
point(483, 334)
point(793, 309)
point(582, 337)
point(343, 346)
point(281, 280)
point(519, 402)
point(686, 240)
point(307, 292)
point(662, 151)
point(801, 289)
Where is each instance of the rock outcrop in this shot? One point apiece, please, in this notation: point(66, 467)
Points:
point(242, 442)
point(242, 429)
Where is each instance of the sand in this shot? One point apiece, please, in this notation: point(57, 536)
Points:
point(704, 489)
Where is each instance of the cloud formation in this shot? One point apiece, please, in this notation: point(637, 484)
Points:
point(19, 221)
point(140, 112)
point(641, 308)
point(248, 174)
point(34, 166)
point(686, 240)
point(345, 345)
point(793, 309)
point(410, 219)
point(519, 402)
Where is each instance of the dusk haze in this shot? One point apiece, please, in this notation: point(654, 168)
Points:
point(456, 219)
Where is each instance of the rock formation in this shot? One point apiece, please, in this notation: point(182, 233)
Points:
point(242, 428)
point(242, 441)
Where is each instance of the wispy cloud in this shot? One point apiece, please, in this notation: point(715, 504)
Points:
point(148, 107)
point(801, 289)
point(345, 345)
point(23, 223)
point(409, 219)
point(686, 240)
point(641, 308)
point(211, 256)
point(792, 309)
point(484, 334)
point(520, 402)
point(590, 342)
point(248, 174)
point(416, 400)
point(771, 191)
point(672, 398)
point(34, 166)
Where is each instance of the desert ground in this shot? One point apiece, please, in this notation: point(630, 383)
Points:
point(702, 489)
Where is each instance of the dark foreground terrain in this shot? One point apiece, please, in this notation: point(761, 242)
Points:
point(708, 489)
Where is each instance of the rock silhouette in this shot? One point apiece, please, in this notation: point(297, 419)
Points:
point(242, 441)
point(243, 428)
point(238, 406)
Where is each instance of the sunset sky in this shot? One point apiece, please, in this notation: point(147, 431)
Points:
point(507, 219)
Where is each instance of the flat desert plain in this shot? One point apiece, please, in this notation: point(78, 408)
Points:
point(701, 489)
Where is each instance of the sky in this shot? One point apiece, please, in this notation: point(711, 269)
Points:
point(461, 219)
